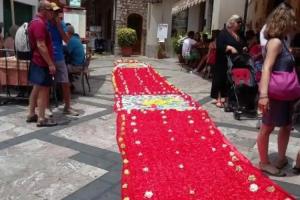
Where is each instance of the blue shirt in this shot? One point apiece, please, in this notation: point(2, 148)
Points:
point(57, 41)
point(76, 50)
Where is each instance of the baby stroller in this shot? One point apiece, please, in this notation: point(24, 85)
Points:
point(243, 91)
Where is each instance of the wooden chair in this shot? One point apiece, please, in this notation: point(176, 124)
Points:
point(83, 72)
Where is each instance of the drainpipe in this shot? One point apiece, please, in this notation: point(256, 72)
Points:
point(12, 9)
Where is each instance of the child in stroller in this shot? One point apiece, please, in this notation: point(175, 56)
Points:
point(243, 87)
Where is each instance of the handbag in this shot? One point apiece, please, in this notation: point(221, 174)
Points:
point(284, 86)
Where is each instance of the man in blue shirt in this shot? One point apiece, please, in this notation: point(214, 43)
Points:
point(75, 49)
point(57, 30)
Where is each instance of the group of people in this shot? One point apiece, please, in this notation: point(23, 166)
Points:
point(271, 55)
point(197, 51)
point(46, 34)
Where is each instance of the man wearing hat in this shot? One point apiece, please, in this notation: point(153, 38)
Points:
point(42, 67)
point(57, 29)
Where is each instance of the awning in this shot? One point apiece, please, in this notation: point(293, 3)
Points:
point(184, 4)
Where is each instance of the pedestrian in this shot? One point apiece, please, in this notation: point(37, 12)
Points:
point(228, 42)
point(188, 47)
point(42, 68)
point(276, 113)
point(57, 29)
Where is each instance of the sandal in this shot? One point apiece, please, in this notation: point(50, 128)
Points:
point(271, 170)
point(220, 104)
point(32, 119)
point(282, 163)
point(46, 123)
point(296, 170)
point(214, 101)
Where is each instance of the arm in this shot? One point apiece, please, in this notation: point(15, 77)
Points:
point(222, 44)
point(41, 45)
point(274, 48)
point(61, 30)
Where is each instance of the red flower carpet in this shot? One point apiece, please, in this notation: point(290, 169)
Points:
point(172, 150)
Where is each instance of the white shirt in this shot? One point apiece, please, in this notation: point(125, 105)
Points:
point(187, 46)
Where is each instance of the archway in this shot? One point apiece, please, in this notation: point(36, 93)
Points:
point(135, 21)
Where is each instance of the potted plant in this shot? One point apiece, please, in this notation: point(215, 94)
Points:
point(126, 39)
point(177, 42)
point(161, 52)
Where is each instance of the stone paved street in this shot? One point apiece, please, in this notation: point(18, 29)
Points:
point(79, 159)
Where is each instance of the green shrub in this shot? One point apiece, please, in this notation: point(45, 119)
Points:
point(126, 37)
point(177, 42)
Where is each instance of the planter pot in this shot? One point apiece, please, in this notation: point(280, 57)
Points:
point(180, 58)
point(126, 51)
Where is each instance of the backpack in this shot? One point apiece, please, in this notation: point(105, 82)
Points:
point(22, 46)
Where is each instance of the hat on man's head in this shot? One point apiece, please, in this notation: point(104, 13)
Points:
point(54, 6)
point(45, 5)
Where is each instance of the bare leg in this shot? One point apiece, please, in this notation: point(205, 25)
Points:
point(263, 143)
point(283, 140)
point(66, 95)
point(263, 147)
point(43, 99)
point(33, 100)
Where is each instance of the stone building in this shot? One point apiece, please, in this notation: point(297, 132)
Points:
point(109, 15)
point(259, 11)
point(23, 12)
point(133, 14)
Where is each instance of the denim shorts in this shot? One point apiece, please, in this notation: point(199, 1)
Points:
point(39, 75)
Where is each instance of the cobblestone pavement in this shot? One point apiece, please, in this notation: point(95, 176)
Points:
point(79, 158)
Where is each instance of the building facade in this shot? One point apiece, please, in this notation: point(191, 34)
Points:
point(23, 12)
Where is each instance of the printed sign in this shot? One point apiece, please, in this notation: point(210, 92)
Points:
point(162, 32)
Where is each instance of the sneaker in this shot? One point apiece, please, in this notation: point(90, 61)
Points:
point(71, 112)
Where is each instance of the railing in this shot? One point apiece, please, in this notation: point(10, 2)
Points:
point(13, 73)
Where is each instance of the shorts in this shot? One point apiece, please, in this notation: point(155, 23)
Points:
point(39, 75)
point(75, 68)
point(61, 75)
point(192, 56)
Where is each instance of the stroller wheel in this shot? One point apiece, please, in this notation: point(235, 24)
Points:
point(237, 115)
point(228, 108)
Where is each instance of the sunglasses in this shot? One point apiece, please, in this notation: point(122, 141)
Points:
point(239, 22)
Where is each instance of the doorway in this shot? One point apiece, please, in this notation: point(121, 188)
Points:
point(135, 21)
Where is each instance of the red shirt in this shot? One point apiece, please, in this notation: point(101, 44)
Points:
point(37, 31)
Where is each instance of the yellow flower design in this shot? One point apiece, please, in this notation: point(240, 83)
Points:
point(160, 102)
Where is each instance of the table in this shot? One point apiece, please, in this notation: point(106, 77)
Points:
point(13, 72)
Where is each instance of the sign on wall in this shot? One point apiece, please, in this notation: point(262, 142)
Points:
point(162, 32)
point(75, 3)
point(77, 18)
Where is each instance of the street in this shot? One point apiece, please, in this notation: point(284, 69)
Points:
point(79, 159)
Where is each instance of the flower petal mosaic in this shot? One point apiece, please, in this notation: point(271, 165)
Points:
point(172, 150)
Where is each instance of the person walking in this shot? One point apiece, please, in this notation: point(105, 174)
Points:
point(42, 68)
point(276, 113)
point(57, 30)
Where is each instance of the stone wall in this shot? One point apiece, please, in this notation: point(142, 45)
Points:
point(124, 9)
point(259, 10)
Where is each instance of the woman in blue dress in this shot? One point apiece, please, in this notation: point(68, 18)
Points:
point(276, 113)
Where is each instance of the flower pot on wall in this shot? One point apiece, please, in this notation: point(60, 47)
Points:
point(126, 51)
